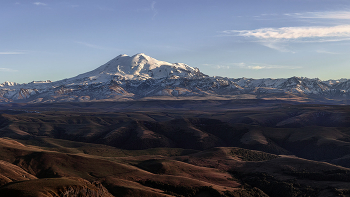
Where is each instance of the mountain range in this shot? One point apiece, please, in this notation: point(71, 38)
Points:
point(141, 76)
point(171, 130)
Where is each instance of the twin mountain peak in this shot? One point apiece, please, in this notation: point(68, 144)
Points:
point(139, 76)
point(140, 67)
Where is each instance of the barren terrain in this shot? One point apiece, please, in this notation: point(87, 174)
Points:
point(175, 148)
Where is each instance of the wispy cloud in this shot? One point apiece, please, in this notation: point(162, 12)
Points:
point(151, 8)
point(154, 10)
point(39, 4)
point(279, 38)
point(252, 66)
point(322, 15)
point(217, 66)
point(11, 53)
point(7, 70)
point(289, 33)
point(279, 46)
point(256, 66)
point(221, 67)
point(327, 52)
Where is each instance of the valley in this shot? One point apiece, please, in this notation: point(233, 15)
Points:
point(242, 147)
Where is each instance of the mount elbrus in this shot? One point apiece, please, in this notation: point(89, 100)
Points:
point(140, 76)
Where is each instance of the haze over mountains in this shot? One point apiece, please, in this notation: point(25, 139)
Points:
point(140, 76)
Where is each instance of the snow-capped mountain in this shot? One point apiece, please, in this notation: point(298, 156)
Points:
point(138, 67)
point(139, 76)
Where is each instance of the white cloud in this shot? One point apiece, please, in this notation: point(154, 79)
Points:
point(151, 9)
point(276, 45)
point(322, 15)
point(327, 52)
point(154, 10)
point(217, 66)
point(7, 70)
point(11, 53)
point(256, 66)
point(295, 32)
point(222, 67)
point(90, 45)
point(39, 3)
point(279, 38)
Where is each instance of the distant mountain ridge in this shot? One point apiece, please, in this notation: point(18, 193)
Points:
point(140, 76)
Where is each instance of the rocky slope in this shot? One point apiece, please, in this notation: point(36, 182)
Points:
point(141, 76)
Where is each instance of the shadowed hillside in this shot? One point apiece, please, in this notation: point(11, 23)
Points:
point(227, 148)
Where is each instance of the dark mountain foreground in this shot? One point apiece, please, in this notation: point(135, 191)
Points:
point(175, 148)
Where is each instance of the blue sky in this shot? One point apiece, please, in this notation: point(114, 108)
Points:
point(57, 39)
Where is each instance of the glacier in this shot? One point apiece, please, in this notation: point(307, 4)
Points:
point(139, 76)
